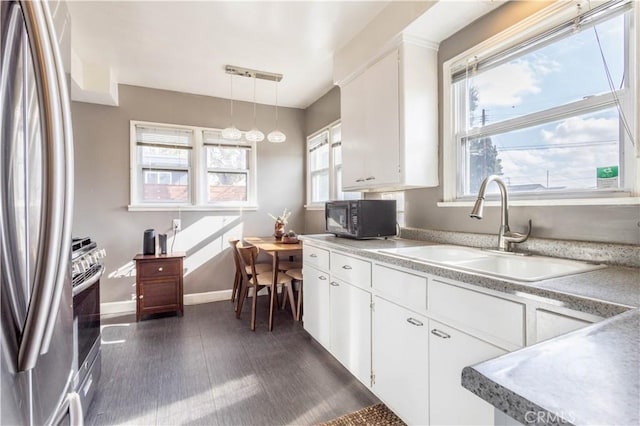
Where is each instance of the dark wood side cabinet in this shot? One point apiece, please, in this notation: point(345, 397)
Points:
point(159, 283)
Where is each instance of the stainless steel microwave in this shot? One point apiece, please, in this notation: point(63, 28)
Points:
point(361, 219)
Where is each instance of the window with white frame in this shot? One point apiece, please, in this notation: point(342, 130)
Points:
point(163, 164)
point(553, 114)
point(190, 167)
point(228, 167)
point(324, 167)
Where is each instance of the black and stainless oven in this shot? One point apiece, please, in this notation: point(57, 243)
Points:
point(87, 269)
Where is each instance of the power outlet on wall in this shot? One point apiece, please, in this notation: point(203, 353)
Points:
point(177, 225)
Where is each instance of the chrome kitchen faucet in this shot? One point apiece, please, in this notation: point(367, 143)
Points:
point(505, 236)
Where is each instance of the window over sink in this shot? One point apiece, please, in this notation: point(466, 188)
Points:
point(190, 167)
point(550, 105)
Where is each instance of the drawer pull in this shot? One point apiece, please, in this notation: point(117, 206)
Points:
point(415, 322)
point(160, 269)
point(313, 255)
point(360, 180)
point(322, 277)
point(371, 178)
point(335, 284)
point(346, 267)
point(440, 334)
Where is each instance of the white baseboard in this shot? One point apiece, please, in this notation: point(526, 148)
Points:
point(126, 307)
point(207, 297)
point(129, 306)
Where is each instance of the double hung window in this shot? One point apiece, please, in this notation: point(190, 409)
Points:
point(227, 168)
point(164, 159)
point(190, 168)
point(552, 114)
point(324, 167)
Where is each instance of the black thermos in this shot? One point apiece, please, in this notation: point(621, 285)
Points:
point(162, 241)
point(149, 242)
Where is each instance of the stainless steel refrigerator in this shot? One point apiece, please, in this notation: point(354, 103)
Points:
point(36, 176)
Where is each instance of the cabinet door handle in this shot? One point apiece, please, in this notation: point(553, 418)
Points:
point(141, 296)
point(371, 178)
point(346, 267)
point(335, 284)
point(439, 333)
point(415, 322)
point(322, 277)
point(313, 255)
point(160, 269)
point(360, 180)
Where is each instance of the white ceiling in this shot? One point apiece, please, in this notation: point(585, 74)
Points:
point(184, 45)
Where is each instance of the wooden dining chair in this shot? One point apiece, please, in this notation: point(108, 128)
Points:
point(258, 281)
point(285, 265)
point(237, 280)
point(296, 277)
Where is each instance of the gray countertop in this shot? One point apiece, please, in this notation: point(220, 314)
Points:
point(604, 292)
point(590, 376)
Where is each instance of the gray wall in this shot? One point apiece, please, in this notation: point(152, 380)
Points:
point(588, 223)
point(321, 113)
point(102, 185)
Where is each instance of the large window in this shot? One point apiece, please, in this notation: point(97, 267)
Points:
point(324, 167)
point(553, 114)
point(190, 167)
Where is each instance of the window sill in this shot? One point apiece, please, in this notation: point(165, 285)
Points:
point(189, 208)
point(614, 201)
point(314, 206)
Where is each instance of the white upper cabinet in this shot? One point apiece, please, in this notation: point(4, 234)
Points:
point(390, 122)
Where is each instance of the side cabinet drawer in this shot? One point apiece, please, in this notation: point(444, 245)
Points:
point(159, 268)
point(352, 270)
point(401, 287)
point(315, 257)
point(499, 318)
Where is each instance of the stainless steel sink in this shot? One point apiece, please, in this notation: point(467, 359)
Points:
point(503, 265)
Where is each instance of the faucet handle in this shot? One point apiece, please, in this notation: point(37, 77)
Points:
point(516, 237)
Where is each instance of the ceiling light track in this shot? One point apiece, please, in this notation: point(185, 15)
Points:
point(247, 72)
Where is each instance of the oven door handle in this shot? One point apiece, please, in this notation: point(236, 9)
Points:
point(88, 283)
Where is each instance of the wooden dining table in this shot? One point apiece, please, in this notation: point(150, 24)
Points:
point(275, 249)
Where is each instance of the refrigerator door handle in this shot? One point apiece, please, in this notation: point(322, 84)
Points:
point(63, 264)
point(8, 260)
point(53, 202)
point(75, 409)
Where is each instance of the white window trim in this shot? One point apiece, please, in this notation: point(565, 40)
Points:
point(315, 205)
point(545, 19)
point(198, 175)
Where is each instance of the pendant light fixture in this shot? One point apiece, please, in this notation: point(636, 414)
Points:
point(254, 135)
point(232, 132)
point(276, 136)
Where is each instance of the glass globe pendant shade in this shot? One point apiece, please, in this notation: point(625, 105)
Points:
point(231, 133)
point(254, 135)
point(276, 136)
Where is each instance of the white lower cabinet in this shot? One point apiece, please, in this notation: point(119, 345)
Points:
point(450, 351)
point(400, 361)
point(551, 324)
point(316, 304)
point(350, 325)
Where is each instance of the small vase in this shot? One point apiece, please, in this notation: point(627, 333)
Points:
point(279, 231)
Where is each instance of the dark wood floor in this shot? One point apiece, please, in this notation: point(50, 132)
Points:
point(208, 368)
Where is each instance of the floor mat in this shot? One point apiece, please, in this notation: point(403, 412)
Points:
point(377, 414)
